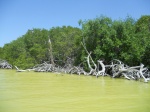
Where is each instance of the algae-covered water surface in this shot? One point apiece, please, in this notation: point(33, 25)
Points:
point(51, 92)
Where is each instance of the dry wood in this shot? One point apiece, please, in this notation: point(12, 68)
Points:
point(5, 65)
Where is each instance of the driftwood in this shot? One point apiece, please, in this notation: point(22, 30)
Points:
point(77, 70)
point(134, 73)
point(92, 70)
point(20, 70)
point(44, 67)
point(118, 70)
point(68, 68)
point(101, 72)
point(5, 64)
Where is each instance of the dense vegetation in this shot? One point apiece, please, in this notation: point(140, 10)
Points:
point(127, 40)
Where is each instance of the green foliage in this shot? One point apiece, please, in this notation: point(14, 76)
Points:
point(1, 53)
point(143, 32)
point(36, 42)
point(65, 43)
point(32, 48)
point(143, 24)
point(13, 50)
point(27, 50)
point(127, 40)
point(118, 39)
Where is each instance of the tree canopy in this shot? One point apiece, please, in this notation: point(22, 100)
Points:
point(127, 40)
point(32, 48)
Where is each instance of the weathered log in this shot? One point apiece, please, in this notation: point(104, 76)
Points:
point(20, 70)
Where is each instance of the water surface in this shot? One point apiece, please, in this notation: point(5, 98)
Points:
point(48, 92)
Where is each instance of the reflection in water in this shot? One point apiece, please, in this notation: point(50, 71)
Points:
point(36, 92)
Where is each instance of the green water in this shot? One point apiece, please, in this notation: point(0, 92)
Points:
point(47, 92)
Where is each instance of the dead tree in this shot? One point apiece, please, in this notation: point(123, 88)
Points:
point(92, 70)
point(50, 52)
point(141, 73)
point(101, 72)
point(136, 73)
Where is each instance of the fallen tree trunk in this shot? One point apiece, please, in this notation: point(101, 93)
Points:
point(20, 70)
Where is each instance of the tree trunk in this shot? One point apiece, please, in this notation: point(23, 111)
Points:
point(50, 52)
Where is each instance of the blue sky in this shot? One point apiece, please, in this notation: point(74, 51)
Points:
point(17, 16)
